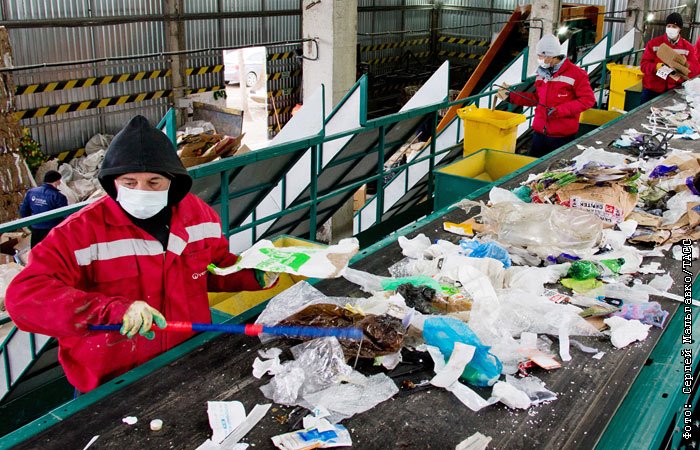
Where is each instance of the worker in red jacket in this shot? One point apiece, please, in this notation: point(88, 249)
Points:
point(135, 257)
point(652, 84)
point(562, 93)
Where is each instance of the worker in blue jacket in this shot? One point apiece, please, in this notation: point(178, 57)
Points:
point(41, 199)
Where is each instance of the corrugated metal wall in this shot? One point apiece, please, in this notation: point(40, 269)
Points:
point(64, 43)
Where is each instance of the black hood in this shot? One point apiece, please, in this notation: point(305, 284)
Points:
point(140, 147)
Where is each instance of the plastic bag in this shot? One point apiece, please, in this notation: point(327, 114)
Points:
point(326, 262)
point(500, 195)
point(319, 363)
point(359, 395)
point(418, 297)
point(414, 248)
point(649, 313)
point(583, 270)
point(533, 387)
point(475, 249)
point(543, 228)
point(442, 332)
point(523, 311)
point(383, 335)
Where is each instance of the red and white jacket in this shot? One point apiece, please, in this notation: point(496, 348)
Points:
point(650, 61)
point(569, 91)
point(93, 265)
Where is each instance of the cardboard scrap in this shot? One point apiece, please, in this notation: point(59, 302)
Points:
point(677, 62)
point(611, 203)
point(205, 147)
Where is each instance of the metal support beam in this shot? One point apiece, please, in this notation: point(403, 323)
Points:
point(634, 20)
point(544, 17)
point(175, 41)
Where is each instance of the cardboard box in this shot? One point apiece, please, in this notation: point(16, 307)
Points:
point(360, 198)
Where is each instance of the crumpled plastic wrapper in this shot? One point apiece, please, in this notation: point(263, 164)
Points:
point(313, 380)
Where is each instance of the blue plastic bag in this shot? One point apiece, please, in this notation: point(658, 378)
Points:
point(486, 250)
point(442, 332)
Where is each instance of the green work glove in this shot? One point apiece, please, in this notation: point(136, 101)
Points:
point(139, 319)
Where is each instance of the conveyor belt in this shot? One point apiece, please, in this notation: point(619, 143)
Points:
point(589, 390)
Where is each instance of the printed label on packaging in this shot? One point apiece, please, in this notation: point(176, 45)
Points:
point(605, 212)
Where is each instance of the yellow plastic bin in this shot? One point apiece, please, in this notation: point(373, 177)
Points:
point(484, 128)
point(236, 303)
point(459, 179)
point(621, 77)
point(593, 118)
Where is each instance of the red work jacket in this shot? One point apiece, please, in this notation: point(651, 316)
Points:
point(569, 91)
point(649, 62)
point(93, 265)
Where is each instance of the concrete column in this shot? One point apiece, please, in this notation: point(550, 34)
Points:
point(334, 24)
point(175, 41)
point(544, 18)
point(636, 14)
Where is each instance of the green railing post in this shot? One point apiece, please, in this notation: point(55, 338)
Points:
point(169, 123)
point(380, 172)
point(433, 149)
point(316, 153)
point(223, 195)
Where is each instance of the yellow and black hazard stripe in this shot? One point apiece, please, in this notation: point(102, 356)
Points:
point(461, 55)
point(280, 111)
point(287, 74)
point(108, 79)
point(194, 71)
point(284, 55)
point(390, 59)
point(463, 41)
point(43, 111)
point(283, 92)
point(68, 155)
point(204, 89)
point(386, 45)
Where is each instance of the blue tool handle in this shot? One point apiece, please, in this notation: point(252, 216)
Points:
point(347, 333)
point(115, 327)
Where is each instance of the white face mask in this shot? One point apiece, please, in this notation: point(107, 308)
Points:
point(672, 33)
point(543, 64)
point(141, 204)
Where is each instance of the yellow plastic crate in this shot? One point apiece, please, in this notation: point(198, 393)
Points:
point(621, 77)
point(236, 303)
point(484, 128)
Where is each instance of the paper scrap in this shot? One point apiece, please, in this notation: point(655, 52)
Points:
point(476, 441)
point(460, 357)
point(598, 355)
point(510, 396)
point(469, 398)
point(130, 420)
point(224, 417)
point(564, 342)
point(252, 419)
point(268, 366)
point(623, 332)
point(583, 348)
point(313, 438)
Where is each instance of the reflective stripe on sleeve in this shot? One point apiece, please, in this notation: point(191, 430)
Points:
point(564, 79)
point(203, 231)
